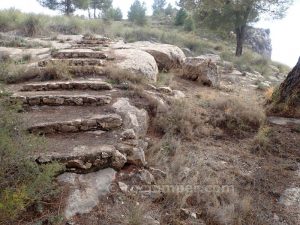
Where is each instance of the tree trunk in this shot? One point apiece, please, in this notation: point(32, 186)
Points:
point(286, 101)
point(68, 7)
point(95, 8)
point(89, 12)
point(240, 37)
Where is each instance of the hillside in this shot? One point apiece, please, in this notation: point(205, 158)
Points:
point(110, 123)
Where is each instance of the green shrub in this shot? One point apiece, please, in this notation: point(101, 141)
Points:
point(10, 19)
point(189, 24)
point(137, 13)
point(180, 17)
point(22, 181)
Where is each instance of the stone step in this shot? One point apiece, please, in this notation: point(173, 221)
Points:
point(72, 62)
point(83, 71)
point(68, 85)
point(282, 121)
point(62, 99)
point(78, 53)
point(85, 159)
point(100, 122)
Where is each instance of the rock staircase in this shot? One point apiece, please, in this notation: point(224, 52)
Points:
point(83, 114)
point(88, 124)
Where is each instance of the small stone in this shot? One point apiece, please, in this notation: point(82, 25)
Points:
point(128, 134)
point(119, 160)
point(165, 90)
point(123, 187)
point(157, 173)
point(77, 164)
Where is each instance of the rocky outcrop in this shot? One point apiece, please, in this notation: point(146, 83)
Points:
point(286, 100)
point(259, 40)
point(201, 69)
point(136, 61)
point(167, 56)
point(86, 190)
point(133, 118)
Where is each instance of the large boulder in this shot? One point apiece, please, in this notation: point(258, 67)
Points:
point(133, 118)
point(85, 190)
point(286, 100)
point(201, 69)
point(136, 61)
point(167, 56)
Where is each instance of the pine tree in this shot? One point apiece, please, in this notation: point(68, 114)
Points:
point(137, 13)
point(67, 7)
point(158, 6)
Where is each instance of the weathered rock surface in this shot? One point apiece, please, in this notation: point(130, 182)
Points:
point(84, 159)
point(59, 100)
point(287, 99)
point(260, 41)
point(101, 122)
point(78, 53)
point(136, 61)
point(284, 121)
point(68, 85)
point(202, 70)
point(85, 190)
point(72, 62)
point(291, 197)
point(134, 151)
point(133, 118)
point(167, 56)
point(94, 41)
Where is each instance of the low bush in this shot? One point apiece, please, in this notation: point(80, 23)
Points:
point(22, 181)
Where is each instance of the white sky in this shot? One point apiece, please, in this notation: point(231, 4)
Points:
point(285, 33)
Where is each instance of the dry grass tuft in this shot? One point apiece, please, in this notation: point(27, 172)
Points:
point(56, 71)
point(262, 142)
point(120, 76)
point(183, 119)
point(269, 93)
point(236, 116)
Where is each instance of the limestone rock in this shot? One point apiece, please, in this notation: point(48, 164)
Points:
point(133, 118)
point(85, 159)
point(149, 220)
point(85, 190)
point(128, 134)
point(167, 56)
point(78, 53)
point(136, 61)
point(99, 122)
point(135, 152)
point(291, 197)
point(56, 100)
point(202, 70)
